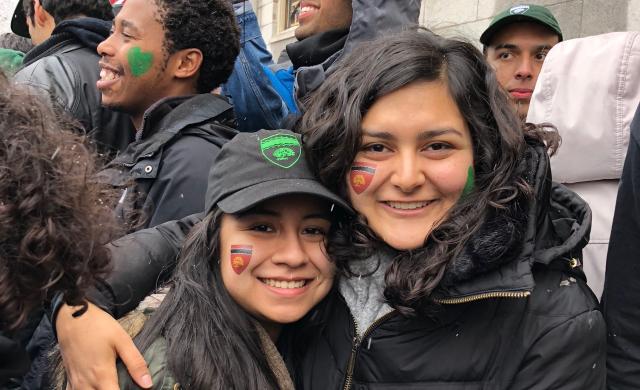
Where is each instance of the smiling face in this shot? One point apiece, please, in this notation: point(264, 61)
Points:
point(273, 260)
point(413, 164)
point(517, 53)
point(317, 16)
point(135, 69)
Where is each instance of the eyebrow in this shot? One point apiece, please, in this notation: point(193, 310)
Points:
point(511, 46)
point(271, 213)
point(129, 25)
point(425, 135)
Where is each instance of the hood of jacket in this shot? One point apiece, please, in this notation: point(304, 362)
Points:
point(552, 226)
point(88, 32)
point(210, 116)
point(371, 19)
point(591, 110)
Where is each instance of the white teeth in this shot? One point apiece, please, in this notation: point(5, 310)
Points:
point(284, 283)
point(407, 205)
point(307, 8)
point(106, 74)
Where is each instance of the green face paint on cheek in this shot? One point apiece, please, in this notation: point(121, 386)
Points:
point(139, 61)
point(470, 184)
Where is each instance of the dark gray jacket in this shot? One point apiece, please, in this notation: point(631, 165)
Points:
point(65, 68)
point(164, 172)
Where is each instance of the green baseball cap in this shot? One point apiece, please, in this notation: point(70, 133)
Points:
point(521, 13)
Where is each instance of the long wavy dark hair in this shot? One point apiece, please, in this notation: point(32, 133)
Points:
point(332, 131)
point(54, 220)
point(211, 341)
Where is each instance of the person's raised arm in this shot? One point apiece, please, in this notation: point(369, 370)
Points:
point(91, 342)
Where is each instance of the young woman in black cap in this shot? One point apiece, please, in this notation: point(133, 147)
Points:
point(257, 261)
point(462, 268)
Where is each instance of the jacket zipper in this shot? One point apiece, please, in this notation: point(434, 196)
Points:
point(487, 295)
point(357, 341)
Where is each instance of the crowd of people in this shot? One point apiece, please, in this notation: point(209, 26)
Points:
point(381, 208)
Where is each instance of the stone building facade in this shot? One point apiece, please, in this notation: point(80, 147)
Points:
point(460, 18)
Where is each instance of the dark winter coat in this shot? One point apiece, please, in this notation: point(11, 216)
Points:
point(516, 313)
point(65, 68)
point(165, 172)
point(621, 298)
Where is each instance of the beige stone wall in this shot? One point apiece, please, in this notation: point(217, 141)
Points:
point(6, 11)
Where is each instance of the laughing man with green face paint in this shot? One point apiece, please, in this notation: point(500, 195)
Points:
point(159, 66)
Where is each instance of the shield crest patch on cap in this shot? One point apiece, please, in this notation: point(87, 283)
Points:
point(283, 150)
point(240, 257)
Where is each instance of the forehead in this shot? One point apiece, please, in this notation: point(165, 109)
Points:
point(524, 33)
point(143, 15)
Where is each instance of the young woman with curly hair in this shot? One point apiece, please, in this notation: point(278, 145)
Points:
point(53, 220)
point(462, 268)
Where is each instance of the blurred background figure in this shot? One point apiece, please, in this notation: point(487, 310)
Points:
point(592, 112)
point(12, 50)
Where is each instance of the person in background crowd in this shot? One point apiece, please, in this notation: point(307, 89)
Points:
point(159, 66)
point(12, 49)
point(621, 287)
point(264, 94)
point(49, 238)
point(456, 236)
point(516, 44)
point(64, 64)
point(593, 116)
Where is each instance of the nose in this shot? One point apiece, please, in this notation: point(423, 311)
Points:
point(105, 48)
point(291, 252)
point(525, 69)
point(408, 174)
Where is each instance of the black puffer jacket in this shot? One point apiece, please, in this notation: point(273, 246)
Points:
point(517, 314)
point(165, 171)
point(65, 68)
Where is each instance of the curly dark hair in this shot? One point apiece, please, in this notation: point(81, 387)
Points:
point(208, 25)
point(67, 9)
point(53, 220)
point(331, 125)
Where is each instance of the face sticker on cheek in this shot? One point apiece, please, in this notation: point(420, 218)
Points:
point(470, 184)
point(139, 61)
point(240, 257)
point(361, 176)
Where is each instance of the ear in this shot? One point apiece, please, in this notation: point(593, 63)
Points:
point(188, 63)
point(40, 15)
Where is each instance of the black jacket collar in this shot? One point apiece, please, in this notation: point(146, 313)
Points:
point(87, 32)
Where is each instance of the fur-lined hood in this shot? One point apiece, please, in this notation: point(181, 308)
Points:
point(551, 227)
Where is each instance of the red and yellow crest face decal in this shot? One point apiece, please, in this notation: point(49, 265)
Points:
point(240, 257)
point(361, 176)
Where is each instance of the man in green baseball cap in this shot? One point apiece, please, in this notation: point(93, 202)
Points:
point(516, 44)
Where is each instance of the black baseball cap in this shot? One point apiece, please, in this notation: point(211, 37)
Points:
point(254, 167)
point(521, 13)
point(19, 21)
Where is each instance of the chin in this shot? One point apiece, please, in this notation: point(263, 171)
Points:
point(405, 243)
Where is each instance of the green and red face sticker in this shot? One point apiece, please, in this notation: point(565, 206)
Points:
point(470, 183)
point(361, 176)
point(240, 257)
point(282, 150)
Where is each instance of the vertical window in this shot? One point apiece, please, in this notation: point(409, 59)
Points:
point(291, 10)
